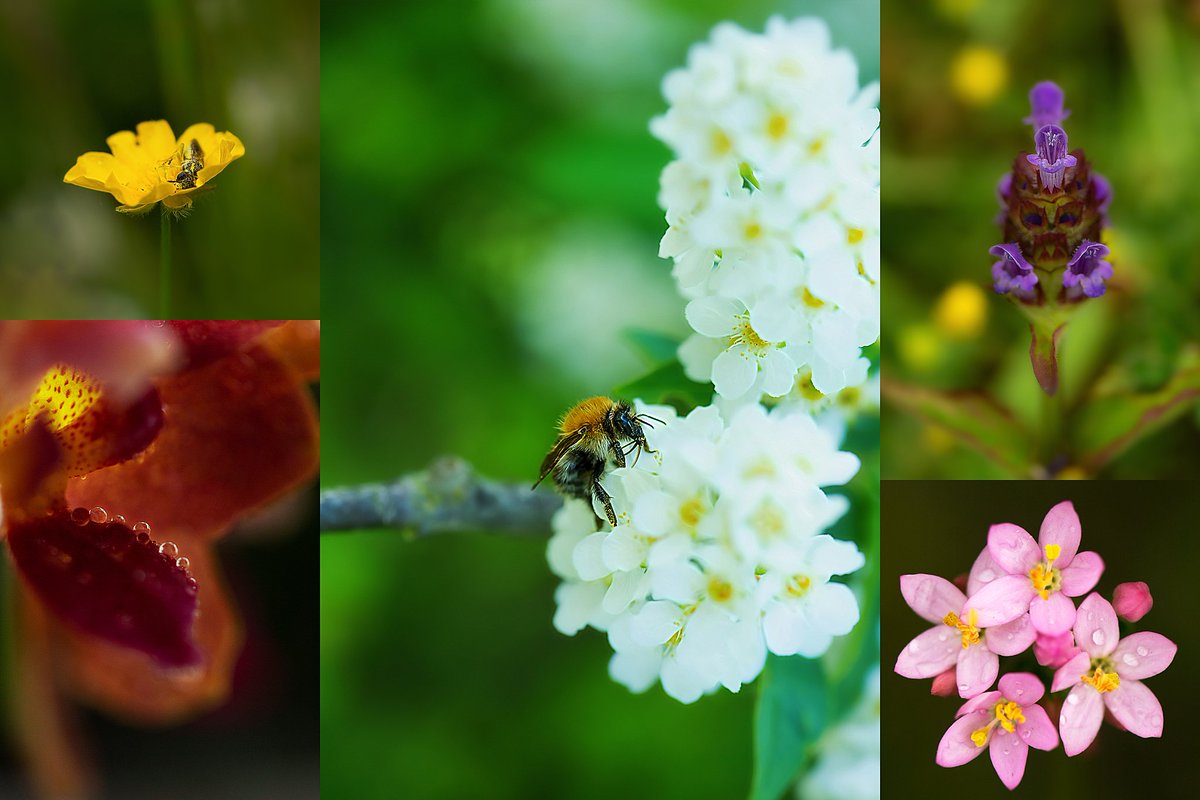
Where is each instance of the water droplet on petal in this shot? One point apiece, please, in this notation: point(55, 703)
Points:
point(117, 519)
point(1025, 733)
point(1072, 699)
point(81, 516)
point(1097, 638)
point(143, 537)
point(943, 636)
point(98, 515)
point(1143, 652)
point(964, 687)
point(914, 646)
point(1130, 659)
point(987, 575)
point(168, 549)
point(182, 562)
point(141, 527)
point(191, 585)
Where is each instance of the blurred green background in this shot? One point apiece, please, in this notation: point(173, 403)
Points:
point(489, 221)
point(1143, 530)
point(74, 72)
point(957, 77)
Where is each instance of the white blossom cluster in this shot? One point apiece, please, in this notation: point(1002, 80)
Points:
point(719, 553)
point(773, 211)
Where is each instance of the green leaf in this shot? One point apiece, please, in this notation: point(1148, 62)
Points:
point(1117, 418)
point(667, 384)
point(656, 347)
point(792, 710)
point(976, 420)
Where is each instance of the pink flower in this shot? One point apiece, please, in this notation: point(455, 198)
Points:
point(1132, 601)
point(1108, 673)
point(1054, 651)
point(956, 639)
point(1041, 576)
point(1010, 720)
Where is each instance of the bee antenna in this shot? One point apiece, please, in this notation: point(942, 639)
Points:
point(644, 417)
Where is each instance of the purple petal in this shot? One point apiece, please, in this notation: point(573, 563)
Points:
point(1069, 673)
point(1136, 708)
point(977, 670)
point(1046, 105)
point(932, 597)
point(1024, 688)
point(1051, 158)
point(1061, 527)
point(1142, 655)
point(956, 747)
point(1085, 570)
point(1079, 722)
point(1002, 600)
point(929, 654)
point(1012, 273)
point(1011, 638)
point(1101, 195)
point(1037, 730)
point(983, 702)
point(1096, 628)
point(1008, 757)
point(1013, 548)
point(1054, 615)
point(1087, 269)
point(983, 571)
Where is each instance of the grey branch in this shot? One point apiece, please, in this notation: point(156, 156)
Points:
point(447, 497)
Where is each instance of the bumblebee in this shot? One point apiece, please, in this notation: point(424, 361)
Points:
point(589, 434)
point(191, 161)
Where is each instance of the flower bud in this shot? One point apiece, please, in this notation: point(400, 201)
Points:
point(946, 684)
point(1132, 600)
point(1054, 651)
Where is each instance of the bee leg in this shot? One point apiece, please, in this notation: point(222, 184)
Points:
point(606, 500)
point(618, 453)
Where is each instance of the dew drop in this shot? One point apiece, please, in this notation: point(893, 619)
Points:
point(143, 538)
point(1143, 652)
point(1097, 638)
point(81, 516)
point(1130, 659)
point(1025, 732)
point(98, 515)
point(182, 562)
point(1072, 699)
point(964, 687)
point(914, 646)
point(1020, 692)
point(117, 519)
point(168, 549)
point(943, 636)
point(191, 585)
point(1009, 637)
point(987, 575)
point(141, 527)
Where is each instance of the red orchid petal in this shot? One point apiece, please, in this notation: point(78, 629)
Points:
point(205, 341)
point(123, 356)
point(32, 478)
point(130, 686)
point(238, 433)
point(106, 436)
point(109, 582)
point(297, 343)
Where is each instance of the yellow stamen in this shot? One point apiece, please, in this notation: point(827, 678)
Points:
point(777, 126)
point(811, 300)
point(1044, 579)
point(1102, 681)
point(854, 235)
point(1009, 713)
point(1052, 552)
point(798, 585)
point(719, 590)
point(969, 629)
point(980, 736)
point(744, 334)
point(691, 512)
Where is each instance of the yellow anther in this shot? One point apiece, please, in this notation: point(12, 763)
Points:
point(980, 736)
point(1043, 578)
point(798, 585)
point(1052, 552)
point(1101, 681)
point(969, 629)
point(1009, 713)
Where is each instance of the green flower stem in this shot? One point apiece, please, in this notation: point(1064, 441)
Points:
point(164, 284)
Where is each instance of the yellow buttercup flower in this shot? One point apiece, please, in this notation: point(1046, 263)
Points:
point(151, 165)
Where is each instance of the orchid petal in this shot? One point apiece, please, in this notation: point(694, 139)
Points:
point(1008, 754)
point(1002, 600)
point(977, 670)
point(1082, 574)
point(1096, 628)
point(1023, 687)
point(1079, 722)
point(956, 747)
point(1068, 674)
point(1061, 527)
point(1013, 548)
point(1053, 616)
point(1136, 708)
point(1143, 655)
point(1011, 638)
point(931, 596)
point(1037, 730)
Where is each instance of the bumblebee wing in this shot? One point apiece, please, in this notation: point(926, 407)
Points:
point(560, 449)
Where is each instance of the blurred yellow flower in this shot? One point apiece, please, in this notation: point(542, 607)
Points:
point(961, 311)
point(920, 347)
point(978, 74)
point(152, 165)
point(1072, 473)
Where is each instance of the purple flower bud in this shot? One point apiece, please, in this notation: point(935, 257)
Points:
point(1012, 273)
point(1046, 100)
point(1052, 157)
point(1101, 194)
point(1088, 270)
point(1132, 601)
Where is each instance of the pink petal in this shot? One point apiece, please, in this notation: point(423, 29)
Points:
point(1136, 708)
point(1069, 673)
point(1061, 527)
point(1083, 573)
point(1054, 651)
point(1011, 638)
point(956, 747)
point(932, 597)
point(1096, 626)
point(1013, 548)
point(1002, 600)
point(1008, 757)
point(983, 702)
point(1082, 713)
point(1054, 615)
point(1037, 730)
point(983, 571)
point(977, 670)
point(1141, 655)
point(1023, 687)
point(929, 654)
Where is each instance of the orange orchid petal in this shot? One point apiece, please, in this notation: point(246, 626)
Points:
point(129, 685)
point(204, 341)
point(298, 344)
point(239, 432)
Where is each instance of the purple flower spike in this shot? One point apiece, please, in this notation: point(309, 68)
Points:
point(1102, 195)
point(1012, 273)
point(1088, 270)
point(1046, 100)
point(1052, 157)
